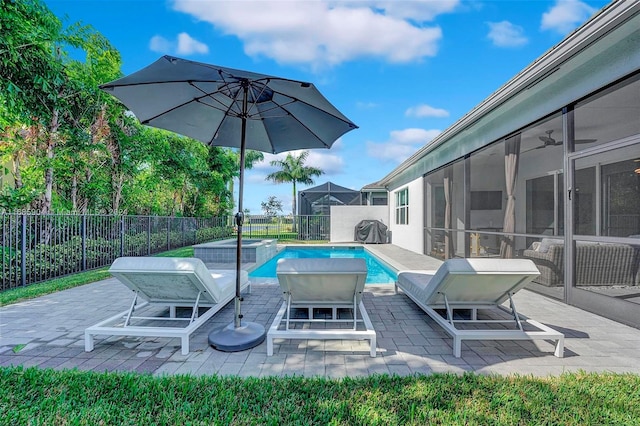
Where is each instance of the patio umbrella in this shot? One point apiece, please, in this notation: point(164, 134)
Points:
point(232, 108)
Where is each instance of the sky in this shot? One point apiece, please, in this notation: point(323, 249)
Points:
point(403, 71)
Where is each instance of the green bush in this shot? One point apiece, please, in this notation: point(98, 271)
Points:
point(204, 235)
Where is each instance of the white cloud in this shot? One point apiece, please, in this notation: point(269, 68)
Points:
point(506, 34)
point(266, 163)
point(183, 45)
point(425, 110)
point(252, 176)
point(367, 105)
point(401, 144)
point(326, 33)
point(566, 15)
point(328, 161)
point(160, 44)
point(416, 10)
point(188, 45)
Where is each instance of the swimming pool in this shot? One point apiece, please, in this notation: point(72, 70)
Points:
point(377, 271)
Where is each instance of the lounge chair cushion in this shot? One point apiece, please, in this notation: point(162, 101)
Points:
point(452, 279)
point(186, 276)
point(321, 283)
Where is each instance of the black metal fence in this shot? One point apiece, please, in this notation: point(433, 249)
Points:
point(288, 227)
point(36, 247)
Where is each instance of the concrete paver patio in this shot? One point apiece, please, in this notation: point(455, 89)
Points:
point(51, 328)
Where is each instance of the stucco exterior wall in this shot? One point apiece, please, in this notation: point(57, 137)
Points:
point(410, 236)
point(345, 218)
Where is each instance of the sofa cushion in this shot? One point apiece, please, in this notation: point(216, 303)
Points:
point(548, 242)
point(544, 245)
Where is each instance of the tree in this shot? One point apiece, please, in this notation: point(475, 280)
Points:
point(223, 164)
point(293, 170)
point(250, 158)
point(38, 90)
point(69, 145)
point(31, 74)
point(272, 206)
point(92, 144)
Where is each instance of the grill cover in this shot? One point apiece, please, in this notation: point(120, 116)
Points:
point(371, 232)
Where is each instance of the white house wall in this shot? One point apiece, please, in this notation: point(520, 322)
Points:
point(345, 218)
point(409, 236)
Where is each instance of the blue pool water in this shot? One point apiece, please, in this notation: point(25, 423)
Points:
point(377, 272)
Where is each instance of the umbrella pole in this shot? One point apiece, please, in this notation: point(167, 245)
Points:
point(239, 335)
point(239, 223)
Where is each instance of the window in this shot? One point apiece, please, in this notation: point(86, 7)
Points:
point(402, 207)
point(379, 199)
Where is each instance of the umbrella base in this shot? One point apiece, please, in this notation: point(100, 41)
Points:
point(232, 339)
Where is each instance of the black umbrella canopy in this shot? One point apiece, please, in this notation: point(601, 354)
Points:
point(239, 109)
point(205, 102)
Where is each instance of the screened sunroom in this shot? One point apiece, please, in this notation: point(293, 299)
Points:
point(547, 168)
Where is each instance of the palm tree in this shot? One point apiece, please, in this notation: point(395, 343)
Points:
point(293, 170)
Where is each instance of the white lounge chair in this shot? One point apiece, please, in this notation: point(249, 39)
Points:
point(474, 284)
point(315, 284)
point(171, 282)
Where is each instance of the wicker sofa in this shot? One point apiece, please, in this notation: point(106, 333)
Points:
point(596, 264)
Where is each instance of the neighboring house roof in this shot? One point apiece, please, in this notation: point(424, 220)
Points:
point(604, 49)
point(329, 187)
point(373, 187)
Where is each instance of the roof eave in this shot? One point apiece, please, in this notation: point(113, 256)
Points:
point(551, 61)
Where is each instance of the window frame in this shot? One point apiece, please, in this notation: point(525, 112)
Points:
point(402, 206)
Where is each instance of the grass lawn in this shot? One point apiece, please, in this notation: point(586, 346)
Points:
point(35, 396)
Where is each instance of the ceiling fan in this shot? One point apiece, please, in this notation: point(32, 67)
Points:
point(549, 141)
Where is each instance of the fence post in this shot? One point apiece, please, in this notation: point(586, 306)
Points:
point(23, 252)
point(83, 232)
point(121, 236)
point(168, 233)
point(148, 235)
